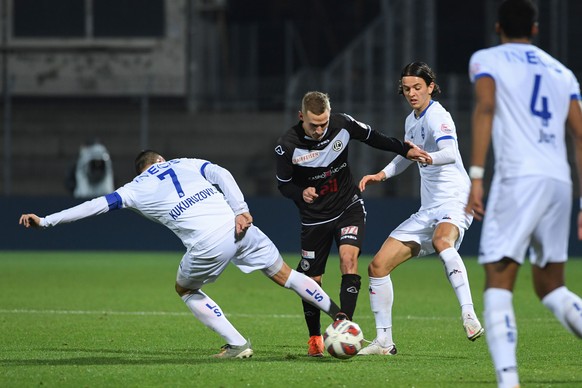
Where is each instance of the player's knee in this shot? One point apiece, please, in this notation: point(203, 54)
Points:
point(379, 268)
point(441, 243)
point(183, 291)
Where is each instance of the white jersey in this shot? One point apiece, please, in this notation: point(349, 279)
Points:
point(439, 183)
point(529, 131)
point(178, 194)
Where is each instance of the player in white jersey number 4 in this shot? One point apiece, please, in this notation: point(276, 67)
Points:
point(215, 227)
point(523, 100)
point(440, 223)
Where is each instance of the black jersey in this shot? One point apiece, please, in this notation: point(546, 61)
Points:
point(304, 162)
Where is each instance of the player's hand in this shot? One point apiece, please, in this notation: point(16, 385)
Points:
point(29, 220)
point(369, 179)
point(416, 154)
point(242, 223)
point(310, 195)
point(475, 202)
point(580, 225)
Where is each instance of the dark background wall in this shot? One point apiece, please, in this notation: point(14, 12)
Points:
point(125, 230)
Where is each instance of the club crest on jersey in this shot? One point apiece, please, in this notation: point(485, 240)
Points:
point(279, 150)
point(337, 145)
point(305, 157)
point(446, 128)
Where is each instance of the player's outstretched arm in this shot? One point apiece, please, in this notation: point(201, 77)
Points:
point(371, 179)
point(86, 209)
point(29, 220)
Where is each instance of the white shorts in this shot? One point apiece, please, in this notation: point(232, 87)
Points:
point(527, 212)
point(421, 225)
point(255, 251)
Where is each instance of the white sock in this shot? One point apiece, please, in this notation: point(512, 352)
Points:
point(567, 307)
point(501, 335)
point(457, 275)
point(308, 290)
point(211, 315)
point(381, 301)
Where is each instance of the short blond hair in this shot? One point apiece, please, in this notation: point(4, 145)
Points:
point(315, 102)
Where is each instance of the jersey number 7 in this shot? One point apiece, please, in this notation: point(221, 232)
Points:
point(175, 180)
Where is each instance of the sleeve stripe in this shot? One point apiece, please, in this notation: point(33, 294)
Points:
point(481, 75)
point(114, 201)
point(576, 96)
point(203, 168)
point(445, 138)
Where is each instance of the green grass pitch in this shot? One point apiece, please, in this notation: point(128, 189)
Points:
point(112, 319)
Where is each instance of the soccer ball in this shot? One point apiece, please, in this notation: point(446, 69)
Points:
point(343, 339)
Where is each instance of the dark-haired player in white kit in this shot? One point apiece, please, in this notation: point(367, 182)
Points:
point(214, 225)
point(524, 99)
point(313, 170)
point(440, 223)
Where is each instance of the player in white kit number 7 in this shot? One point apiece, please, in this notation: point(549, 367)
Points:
point(214, 225)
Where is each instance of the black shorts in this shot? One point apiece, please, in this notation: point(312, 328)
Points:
point(349, 228)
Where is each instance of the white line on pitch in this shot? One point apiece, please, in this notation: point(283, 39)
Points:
point(244, 315)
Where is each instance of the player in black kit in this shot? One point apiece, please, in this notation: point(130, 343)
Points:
point(313, 170)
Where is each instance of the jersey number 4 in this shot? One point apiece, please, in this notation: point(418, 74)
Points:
point(543, 113)
point(175, 180)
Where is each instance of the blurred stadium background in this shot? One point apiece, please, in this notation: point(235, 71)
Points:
point(222, 79)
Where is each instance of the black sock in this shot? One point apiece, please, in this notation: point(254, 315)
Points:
point(349, 291)
point(312, 318)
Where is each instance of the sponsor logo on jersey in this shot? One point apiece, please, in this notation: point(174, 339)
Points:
point(337, 145)
point(279, 150)
point(305, 158)
point(328, 173)
point(475, 68)
point(349, 232)
point(446, 128)
point(546, 137)
point(309, 255)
